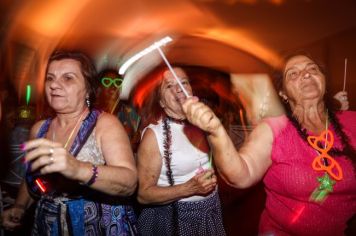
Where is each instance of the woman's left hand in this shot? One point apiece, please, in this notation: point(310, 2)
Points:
point(47, 157)
point(204, 182)
point(341, 97)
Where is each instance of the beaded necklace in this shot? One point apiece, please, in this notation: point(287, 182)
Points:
point(167, 155)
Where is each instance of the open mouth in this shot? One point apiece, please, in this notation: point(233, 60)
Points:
point(180, 99)
point(308, 85)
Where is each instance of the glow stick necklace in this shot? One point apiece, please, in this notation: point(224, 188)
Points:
point(324, 162)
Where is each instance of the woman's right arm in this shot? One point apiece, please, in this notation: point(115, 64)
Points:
point(149, 168)
point(239, 168)
point(244, 167)
point(11, 218)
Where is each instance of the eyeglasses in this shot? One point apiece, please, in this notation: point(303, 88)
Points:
point(295, 73)
point(108, 82)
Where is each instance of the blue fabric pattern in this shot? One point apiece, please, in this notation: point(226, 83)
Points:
point(56, 215)
point(77, 220)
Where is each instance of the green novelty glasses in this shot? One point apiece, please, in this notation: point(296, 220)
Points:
point(108, 82)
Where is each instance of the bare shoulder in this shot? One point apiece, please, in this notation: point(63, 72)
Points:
point(109, 126)
point(148, 143)
point(108, 123)
point(148, 136)
point(106, 119)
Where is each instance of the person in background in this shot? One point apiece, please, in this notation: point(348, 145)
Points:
point(306, 158)
point(108, 91)
point(177, 184)
point(108, 99)
point(79, 163)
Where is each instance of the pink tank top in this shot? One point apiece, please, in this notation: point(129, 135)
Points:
point(290, 180)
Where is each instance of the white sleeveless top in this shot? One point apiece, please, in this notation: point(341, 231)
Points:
point(186, 158)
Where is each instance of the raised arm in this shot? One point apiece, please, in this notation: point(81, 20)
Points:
point(149, 168)
point(239, 168)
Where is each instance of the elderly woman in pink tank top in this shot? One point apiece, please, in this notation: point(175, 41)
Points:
point(306, 158)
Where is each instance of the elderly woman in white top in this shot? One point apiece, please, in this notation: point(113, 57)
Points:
point(176, 181)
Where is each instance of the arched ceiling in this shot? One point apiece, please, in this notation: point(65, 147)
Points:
point(262, 29)
point(231, 35)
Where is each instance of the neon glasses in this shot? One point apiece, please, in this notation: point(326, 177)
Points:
point(108, 82)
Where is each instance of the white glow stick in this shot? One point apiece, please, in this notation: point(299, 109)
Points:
point(140, 54)
point(172, 71)
point(345, 74)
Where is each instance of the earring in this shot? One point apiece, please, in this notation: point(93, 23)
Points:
point(283, 96)
point(87, 101)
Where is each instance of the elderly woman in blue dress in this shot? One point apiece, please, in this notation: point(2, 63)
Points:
point(80, 164)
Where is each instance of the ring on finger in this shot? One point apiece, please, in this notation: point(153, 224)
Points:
point(51, 151)
point(51, 158)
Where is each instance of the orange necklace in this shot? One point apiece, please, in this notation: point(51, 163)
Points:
point(324, 162)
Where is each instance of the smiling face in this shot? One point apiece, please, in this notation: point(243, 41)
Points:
point(171, 95)
point(65, 86)
point(303, 80)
